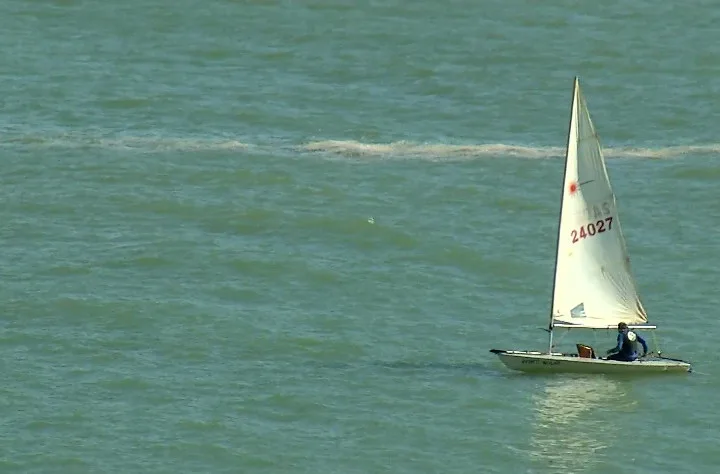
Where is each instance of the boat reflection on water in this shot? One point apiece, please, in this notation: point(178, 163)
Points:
point(575, 421)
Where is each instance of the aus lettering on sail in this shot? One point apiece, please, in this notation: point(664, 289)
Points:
point(599, 219)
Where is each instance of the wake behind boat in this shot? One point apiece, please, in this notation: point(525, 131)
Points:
point(593, 286)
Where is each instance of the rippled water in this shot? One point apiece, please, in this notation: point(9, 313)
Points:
point(282, 236)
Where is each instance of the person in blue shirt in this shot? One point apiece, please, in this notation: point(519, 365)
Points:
point(626, 349)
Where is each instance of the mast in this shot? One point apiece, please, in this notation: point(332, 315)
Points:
point(562, 197)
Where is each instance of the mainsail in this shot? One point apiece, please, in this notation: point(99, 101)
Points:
point(594, 286)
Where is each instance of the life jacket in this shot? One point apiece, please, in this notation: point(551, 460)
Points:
point(629, 346)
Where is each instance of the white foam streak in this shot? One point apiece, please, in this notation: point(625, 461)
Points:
point(136, 143)
point(664, 152)
point(402, 149)
point(337, 148)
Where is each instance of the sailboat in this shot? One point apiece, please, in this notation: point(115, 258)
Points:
point(593, 285)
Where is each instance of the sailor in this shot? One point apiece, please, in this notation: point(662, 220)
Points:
point(626, 349)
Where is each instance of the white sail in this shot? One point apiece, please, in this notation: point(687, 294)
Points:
point(594, 286)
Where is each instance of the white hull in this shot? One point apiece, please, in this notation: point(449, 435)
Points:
point(538, 362)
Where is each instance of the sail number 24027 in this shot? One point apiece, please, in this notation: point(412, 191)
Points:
point(593, 228)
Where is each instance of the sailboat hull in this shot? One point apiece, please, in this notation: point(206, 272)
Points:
point(538, 362)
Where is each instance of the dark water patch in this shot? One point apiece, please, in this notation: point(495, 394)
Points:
point(693, 172)
point(67, 270)
point(464, 367)
point(467, 368)
point(241, 221)
point(230, 293)
point(366, 233)
point(202, 426)
point(147, 262)
point(324, 345)
point(269, 268)
point(125, 384)
point(515, 205)
point(125, 103)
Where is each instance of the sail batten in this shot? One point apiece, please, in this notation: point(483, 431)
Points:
point(593, 285)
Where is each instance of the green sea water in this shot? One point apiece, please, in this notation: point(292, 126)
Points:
point(281, 236)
